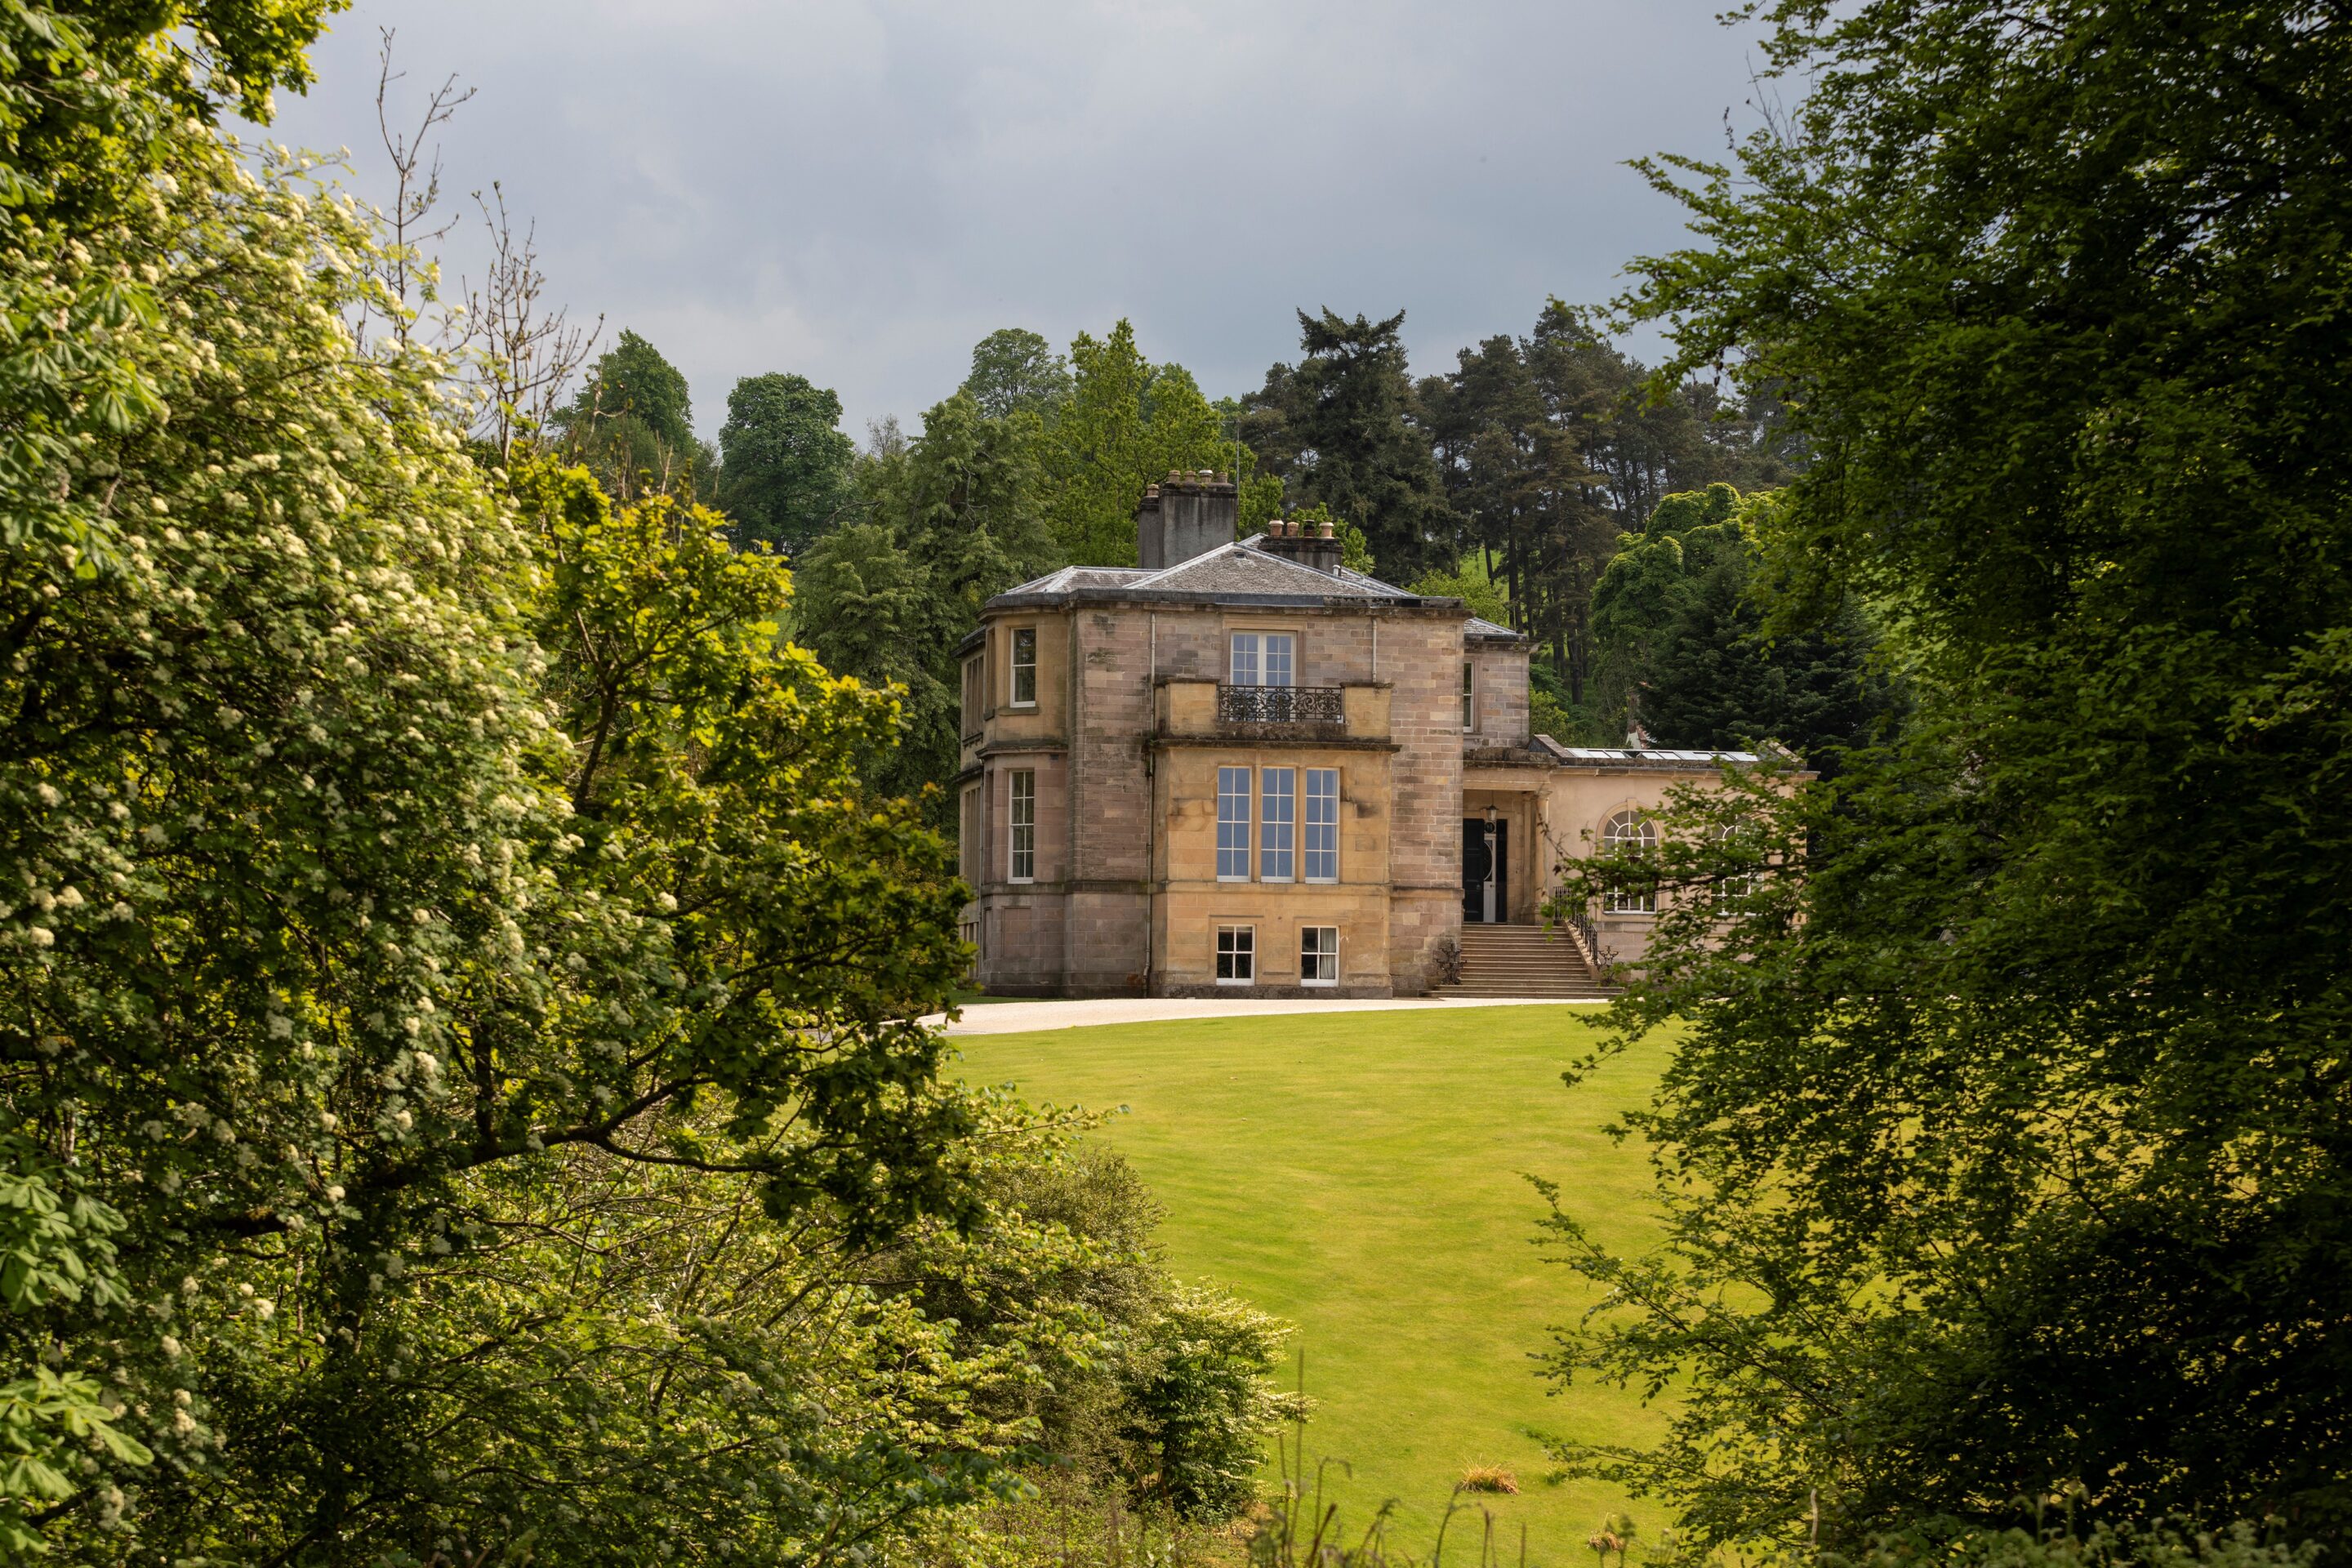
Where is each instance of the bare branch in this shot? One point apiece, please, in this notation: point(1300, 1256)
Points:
point(417, 191)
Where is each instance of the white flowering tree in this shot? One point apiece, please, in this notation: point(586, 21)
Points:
point(456, 990)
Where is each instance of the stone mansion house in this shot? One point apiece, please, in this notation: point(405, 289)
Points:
point(1238, 767)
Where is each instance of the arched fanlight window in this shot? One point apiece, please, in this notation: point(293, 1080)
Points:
point(1629, 834)
point(1733, 889)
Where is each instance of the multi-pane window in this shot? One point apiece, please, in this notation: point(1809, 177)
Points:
point(1281, 666)
point(1237, 956)
point(1264, 659)
point(1278, 823)
point(1630, 834)
point(1022, 814)
point(969, 842)
point(1318, 955)
point(1469, 694)
point(1025, 667)
point(1322, 825)
point(1734, 887)
point(972, 706)
point(1232, 825)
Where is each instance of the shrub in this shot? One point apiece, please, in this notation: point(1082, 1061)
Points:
point(2240, 1545)
point(1201, 1399)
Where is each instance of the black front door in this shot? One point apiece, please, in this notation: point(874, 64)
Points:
point(1485, 888)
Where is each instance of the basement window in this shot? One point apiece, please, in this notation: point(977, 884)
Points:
point(1237, 955)
point(1318, 955)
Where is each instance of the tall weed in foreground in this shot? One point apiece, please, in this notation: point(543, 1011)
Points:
point(1301, 1528)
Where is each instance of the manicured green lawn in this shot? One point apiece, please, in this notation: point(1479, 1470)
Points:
point(1361, 1174)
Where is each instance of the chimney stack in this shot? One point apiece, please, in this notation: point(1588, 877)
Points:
point(1289, 539)
point(1189, 513)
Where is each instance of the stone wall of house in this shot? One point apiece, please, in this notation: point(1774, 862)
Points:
point(1111, 801)
point(1577, 804)
point(1499, 694)
point(1420, 658)
point(1193, 902)
point(1126, 896)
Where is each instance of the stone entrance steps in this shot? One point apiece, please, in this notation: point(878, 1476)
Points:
point(1524, 961)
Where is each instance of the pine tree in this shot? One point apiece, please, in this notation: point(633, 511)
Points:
point(1343, 427)
point(1719, 683)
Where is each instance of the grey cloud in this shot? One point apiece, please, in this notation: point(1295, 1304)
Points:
point(860, 191)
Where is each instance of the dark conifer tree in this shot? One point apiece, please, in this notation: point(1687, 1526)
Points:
point(1721, 683)
point(1343, 428)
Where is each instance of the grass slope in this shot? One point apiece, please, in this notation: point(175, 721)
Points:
point(1361, 1174)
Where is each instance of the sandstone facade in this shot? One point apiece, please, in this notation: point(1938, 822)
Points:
point(1244, 770)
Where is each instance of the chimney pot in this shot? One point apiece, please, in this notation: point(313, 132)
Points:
point(1325, 531)
point(1293, 539)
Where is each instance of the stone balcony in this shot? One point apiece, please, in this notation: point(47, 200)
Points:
point(1212, 711)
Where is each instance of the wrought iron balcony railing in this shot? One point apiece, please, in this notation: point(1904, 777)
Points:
point(1281, 705)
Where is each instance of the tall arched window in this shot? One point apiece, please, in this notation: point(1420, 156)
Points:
point(1629, 834)
point(1734, 887)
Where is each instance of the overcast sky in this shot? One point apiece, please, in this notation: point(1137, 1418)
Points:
point(860, 191)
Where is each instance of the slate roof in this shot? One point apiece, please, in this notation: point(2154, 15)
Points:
point(1239, 571)
point(1071, 578)
point(1243, 569)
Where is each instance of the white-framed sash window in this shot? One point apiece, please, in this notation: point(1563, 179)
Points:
point(974, 684)
point(1469, 694)
point(1025, 667)
point(1020, 816)
point(1278, 823)
point(1237, 955)
point(1631, 834)
point(1322, 848)
point(1232, 825)
point(972, 843)
point(1318, 955)
point(1263, 658)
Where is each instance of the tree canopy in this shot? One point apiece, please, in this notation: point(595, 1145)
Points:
point(1339, 428)
point(632, 423)
point(952, 517)
point(461, 1095)
point(785, 478)
point(1126, 423)
point(1682, 651)
point(2004, 1152)
point(1015, 371)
